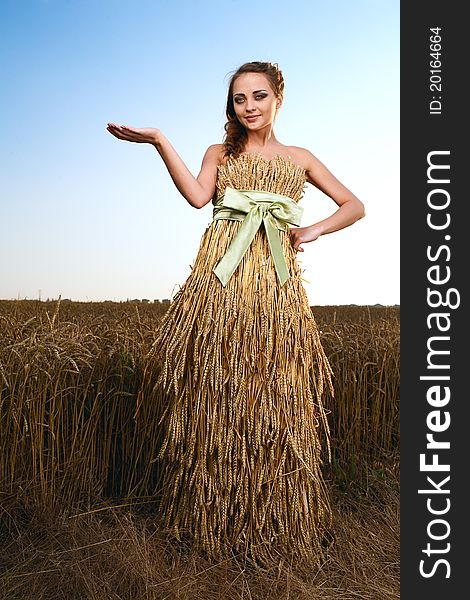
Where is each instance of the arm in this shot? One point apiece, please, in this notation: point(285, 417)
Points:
point(350, 210)
point(198, 191)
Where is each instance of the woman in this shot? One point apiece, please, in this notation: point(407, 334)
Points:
point(241, 370)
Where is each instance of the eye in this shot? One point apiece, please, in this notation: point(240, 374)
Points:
point(238, 100)
point(260, 96)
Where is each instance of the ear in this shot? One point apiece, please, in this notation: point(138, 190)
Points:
point(279, 101)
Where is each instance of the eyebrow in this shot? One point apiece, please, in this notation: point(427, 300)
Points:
point(255, 92)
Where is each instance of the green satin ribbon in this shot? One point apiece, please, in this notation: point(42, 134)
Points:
point(254, 207)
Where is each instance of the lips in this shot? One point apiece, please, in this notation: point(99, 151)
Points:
point(252, 117)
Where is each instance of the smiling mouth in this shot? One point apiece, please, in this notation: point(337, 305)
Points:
point(251, 117)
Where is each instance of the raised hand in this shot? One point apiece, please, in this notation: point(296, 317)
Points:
point(146, 135)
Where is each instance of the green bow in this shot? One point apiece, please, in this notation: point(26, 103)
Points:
point(254, 207)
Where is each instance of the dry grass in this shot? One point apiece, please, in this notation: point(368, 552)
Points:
point(123, 554)
point(69, 375)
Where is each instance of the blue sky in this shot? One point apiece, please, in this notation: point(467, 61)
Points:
point(90, 217)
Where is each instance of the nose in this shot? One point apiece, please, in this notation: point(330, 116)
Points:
point(250, 105)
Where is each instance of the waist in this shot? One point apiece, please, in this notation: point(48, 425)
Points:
point(255, 207)
point(234, 205)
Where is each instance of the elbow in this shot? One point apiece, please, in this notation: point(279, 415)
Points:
point(200, 202)
point(195, 202)
point(361, 210)
point(198, 205)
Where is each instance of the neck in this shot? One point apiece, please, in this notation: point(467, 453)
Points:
point(260, 140)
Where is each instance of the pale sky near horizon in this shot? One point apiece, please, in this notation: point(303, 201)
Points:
point(90, 217)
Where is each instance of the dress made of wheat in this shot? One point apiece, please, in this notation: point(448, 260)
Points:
point(241, 375)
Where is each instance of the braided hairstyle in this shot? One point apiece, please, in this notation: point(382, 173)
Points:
point(235, 133)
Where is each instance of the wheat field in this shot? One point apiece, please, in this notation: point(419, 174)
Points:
point(76, 483)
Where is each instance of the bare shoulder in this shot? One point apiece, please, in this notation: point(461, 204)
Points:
point(214, 154)
point(303, 157)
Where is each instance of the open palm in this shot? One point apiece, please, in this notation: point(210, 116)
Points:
point(146, 135)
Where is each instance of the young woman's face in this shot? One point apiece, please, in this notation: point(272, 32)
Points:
point(254, 101)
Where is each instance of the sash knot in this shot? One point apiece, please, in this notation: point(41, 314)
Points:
point(254, 207)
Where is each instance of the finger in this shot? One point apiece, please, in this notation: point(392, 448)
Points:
point(115, 131)
point(121, 128)
point(119, 135)
point(134, 134)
